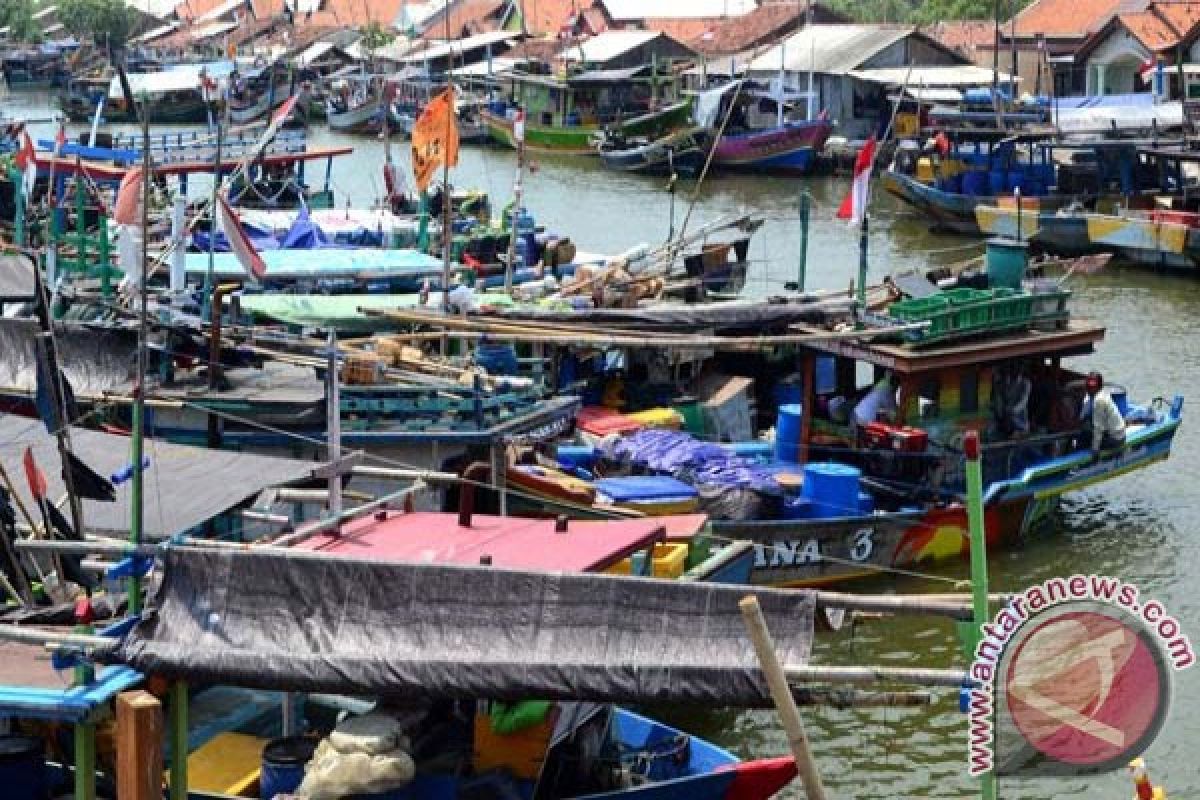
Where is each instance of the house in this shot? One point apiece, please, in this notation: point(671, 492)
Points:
point(624, 50)
point(1045, 40)
point(1118, 57)
point(853, 66)
point(968, 37)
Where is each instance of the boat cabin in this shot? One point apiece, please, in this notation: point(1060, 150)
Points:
point(590, 99)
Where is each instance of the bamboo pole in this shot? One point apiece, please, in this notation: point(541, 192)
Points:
point(139, 746)
point(781, 693)
point(915, 676)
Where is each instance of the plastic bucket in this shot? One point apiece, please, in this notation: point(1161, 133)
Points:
point(1006, 260)
point(283, 765)
point(832, 489)
point(787, 433)
point(22, 768)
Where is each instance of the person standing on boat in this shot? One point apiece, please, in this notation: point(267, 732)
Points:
point(1101, 416)
point(881, 399)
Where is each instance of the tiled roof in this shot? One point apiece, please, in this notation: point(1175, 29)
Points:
point(1163, 25)
point(551, 16)
point(1063, 18)
point(771, 20)
point(467, 18)
point(963, 35)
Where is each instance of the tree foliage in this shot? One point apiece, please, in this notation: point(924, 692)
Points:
point(106, 22)
point(375, 36)
point(926, 12)
point(17, 16)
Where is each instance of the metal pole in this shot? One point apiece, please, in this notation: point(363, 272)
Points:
point(862, 263)
point(805, 213)
point(209, 280)
point(178, 735)
point(139, 406)
point(519, 140)
point(333, 433)
point(979, 569)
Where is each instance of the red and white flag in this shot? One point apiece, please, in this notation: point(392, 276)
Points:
point(26, 161)
point(854, 206)
point(285, 111)
point(519, 125)
point(128, 208)
point(239, 243)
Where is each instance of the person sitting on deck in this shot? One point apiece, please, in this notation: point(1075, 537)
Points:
point(881, 398)
point(1101, 417)
point(1011, 398)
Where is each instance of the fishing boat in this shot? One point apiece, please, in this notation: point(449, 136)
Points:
point(682, 152)
point(774, 140)
point(901, 497)
point(254, 95)
point(42, 68)
point(562, 115)
point(355, 104)
point(175, 97)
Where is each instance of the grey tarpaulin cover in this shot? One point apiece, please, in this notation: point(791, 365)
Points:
point(310, 622)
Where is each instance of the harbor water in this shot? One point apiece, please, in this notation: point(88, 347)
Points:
point(1141, 527)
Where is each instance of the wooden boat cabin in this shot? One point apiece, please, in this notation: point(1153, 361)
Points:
point(562, 113)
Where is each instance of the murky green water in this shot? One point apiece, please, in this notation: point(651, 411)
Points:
point(1141, 527)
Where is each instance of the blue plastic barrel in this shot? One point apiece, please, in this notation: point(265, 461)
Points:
point(832, 489)
point(787, 392)
point(787, 433)
point(866, 502)
point(283, 765)
point(826, 375)
point(497, 358)
point(997, 179)
point(22, 768)
point(797, 508)
point(1015, 180)
point(975, 182)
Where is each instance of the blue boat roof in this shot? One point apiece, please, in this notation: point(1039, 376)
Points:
point(1137, 100)
point(322, 262)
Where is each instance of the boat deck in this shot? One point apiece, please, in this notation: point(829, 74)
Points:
point(1077, 338)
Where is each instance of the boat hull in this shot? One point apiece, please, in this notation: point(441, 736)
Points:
point(683, 154)
point(1147, 241)
point(790, 148)
point(578, 139)
point(821, 552)
point(1060, 234)
point(178, 113)
point(953, 212)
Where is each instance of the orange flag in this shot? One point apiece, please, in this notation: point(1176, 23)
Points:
point(434, 139)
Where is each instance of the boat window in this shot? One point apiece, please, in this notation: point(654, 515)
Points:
point(968, 391)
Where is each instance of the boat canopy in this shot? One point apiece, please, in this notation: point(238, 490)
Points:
point(294, 621)
point(510, 542)
point(186, 486)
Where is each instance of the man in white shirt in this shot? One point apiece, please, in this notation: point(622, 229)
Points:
point(1102, 417)
point(881, 398)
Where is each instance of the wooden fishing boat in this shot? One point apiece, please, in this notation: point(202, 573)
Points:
point(355, 105)
point(793, 147)
point(176, 98)
point(761, 130)
point(564, 115)
point(682, 153)
point(33, 69)
point(1063, 231)
point(260, 92)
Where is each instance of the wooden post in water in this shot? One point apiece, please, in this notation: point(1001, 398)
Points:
point(979, 569)
point(139, 746)
point(781, 693)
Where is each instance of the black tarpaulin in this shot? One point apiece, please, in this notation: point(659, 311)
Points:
point(731, 315)
point(307, 622)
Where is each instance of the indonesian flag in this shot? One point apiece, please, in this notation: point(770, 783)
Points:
point(519, 125)
point(854, 206)
point(128, 208)
point(26, 161)
point(239, 243)
point(285, 111)
point(1146, 73)
point(60, 139)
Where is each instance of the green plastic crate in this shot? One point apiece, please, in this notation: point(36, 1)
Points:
point(934, 310)
point(963, 297)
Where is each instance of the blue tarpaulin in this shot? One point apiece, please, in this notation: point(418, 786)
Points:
point(335, 262)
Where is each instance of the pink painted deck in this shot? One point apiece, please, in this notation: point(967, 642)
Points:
point(512, 542)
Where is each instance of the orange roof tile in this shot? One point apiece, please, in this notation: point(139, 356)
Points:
point(962, 35)
point(467, 18)
point(1063, 18)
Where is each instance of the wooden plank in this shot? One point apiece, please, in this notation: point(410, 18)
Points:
point(139, 746)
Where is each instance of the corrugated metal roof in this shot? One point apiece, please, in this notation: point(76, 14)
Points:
point(459, 46)
point(830, 49)
point(965, 75)
point(607, 46)
point(621, 10)
point(313, 52)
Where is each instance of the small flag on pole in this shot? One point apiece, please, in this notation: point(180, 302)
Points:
point(519, 126)
point(854, 206)
point(239, 243)
point(128, 208)
point(26, 161)
point(34, 476)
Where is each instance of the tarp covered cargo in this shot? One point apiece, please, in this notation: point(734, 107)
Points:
point(93, 358)
point(305, 622)
point(723, 315)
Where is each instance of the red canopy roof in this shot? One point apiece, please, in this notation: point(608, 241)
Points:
point(512, 542)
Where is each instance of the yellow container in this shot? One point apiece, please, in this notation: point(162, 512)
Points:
point(659, 418)
point(229, 764)
point(925, 170)
point(669, 561)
